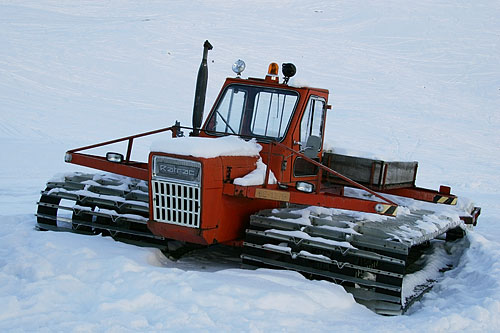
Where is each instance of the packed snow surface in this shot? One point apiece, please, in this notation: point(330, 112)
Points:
point(408, 81)
point(207, 147)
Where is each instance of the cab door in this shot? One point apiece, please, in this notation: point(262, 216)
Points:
point(311, 125)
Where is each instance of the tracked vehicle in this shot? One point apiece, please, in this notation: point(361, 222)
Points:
point(256, 176)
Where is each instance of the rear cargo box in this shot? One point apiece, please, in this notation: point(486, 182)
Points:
point(375, 174)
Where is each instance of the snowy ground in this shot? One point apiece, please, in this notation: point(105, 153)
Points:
point(408, 80)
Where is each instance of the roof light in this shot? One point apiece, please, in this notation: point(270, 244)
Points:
point(239, 67)
point(288, 70)
point(273, 69)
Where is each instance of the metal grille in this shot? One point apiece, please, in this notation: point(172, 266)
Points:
point(176, 203)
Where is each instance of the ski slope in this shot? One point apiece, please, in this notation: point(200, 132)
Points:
point(408, 81)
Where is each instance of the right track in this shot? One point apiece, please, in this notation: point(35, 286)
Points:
point(370, 259)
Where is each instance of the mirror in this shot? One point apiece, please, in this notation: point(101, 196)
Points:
point(313, 144)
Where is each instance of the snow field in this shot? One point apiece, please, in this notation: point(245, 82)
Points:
point(408, 81)
point(114, 286)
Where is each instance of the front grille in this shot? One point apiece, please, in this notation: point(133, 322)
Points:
point(176, 203)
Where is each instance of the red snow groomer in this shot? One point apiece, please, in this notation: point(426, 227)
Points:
point(255, 176)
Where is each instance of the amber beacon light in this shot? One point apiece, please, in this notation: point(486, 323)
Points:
point(273, 69)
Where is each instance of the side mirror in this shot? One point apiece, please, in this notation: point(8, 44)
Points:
point(313, 145)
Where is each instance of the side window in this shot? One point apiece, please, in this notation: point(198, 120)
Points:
point(312, 120)
point(311, 124)
point(229, 111)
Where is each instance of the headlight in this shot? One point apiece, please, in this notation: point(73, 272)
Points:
point(114, 157)
point(304, 187)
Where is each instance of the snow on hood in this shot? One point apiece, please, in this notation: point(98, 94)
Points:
point(207, 147)
point(257, 176)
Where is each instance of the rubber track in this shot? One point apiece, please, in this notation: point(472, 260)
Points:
point(371, 266)
point(98, 204)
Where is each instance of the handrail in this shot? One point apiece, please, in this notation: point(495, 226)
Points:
point(130, 139)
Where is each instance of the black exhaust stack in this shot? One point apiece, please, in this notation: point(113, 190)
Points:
point(201, 90)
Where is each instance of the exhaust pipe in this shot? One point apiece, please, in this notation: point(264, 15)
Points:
point(201, 90)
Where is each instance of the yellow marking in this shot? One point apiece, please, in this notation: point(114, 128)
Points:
point(388, 210)
point(263, 193)
point(442, 200)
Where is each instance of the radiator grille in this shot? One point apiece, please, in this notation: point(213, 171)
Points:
point(176, 203)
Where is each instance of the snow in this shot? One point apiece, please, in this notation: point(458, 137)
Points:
point(111, 213)
point(435, 261)
point(315, 256)
point(408, 81)
point(281, 248)
point(257, 176)
point(298, 235)
point(223, 146)
point(208, 147)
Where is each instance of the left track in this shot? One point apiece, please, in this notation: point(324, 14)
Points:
point(104, 204)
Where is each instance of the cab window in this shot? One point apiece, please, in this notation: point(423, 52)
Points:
point(229, 112)
point(271, 113)
point(254, 111)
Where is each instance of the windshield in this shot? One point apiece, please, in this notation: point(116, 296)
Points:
point(253, 111)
